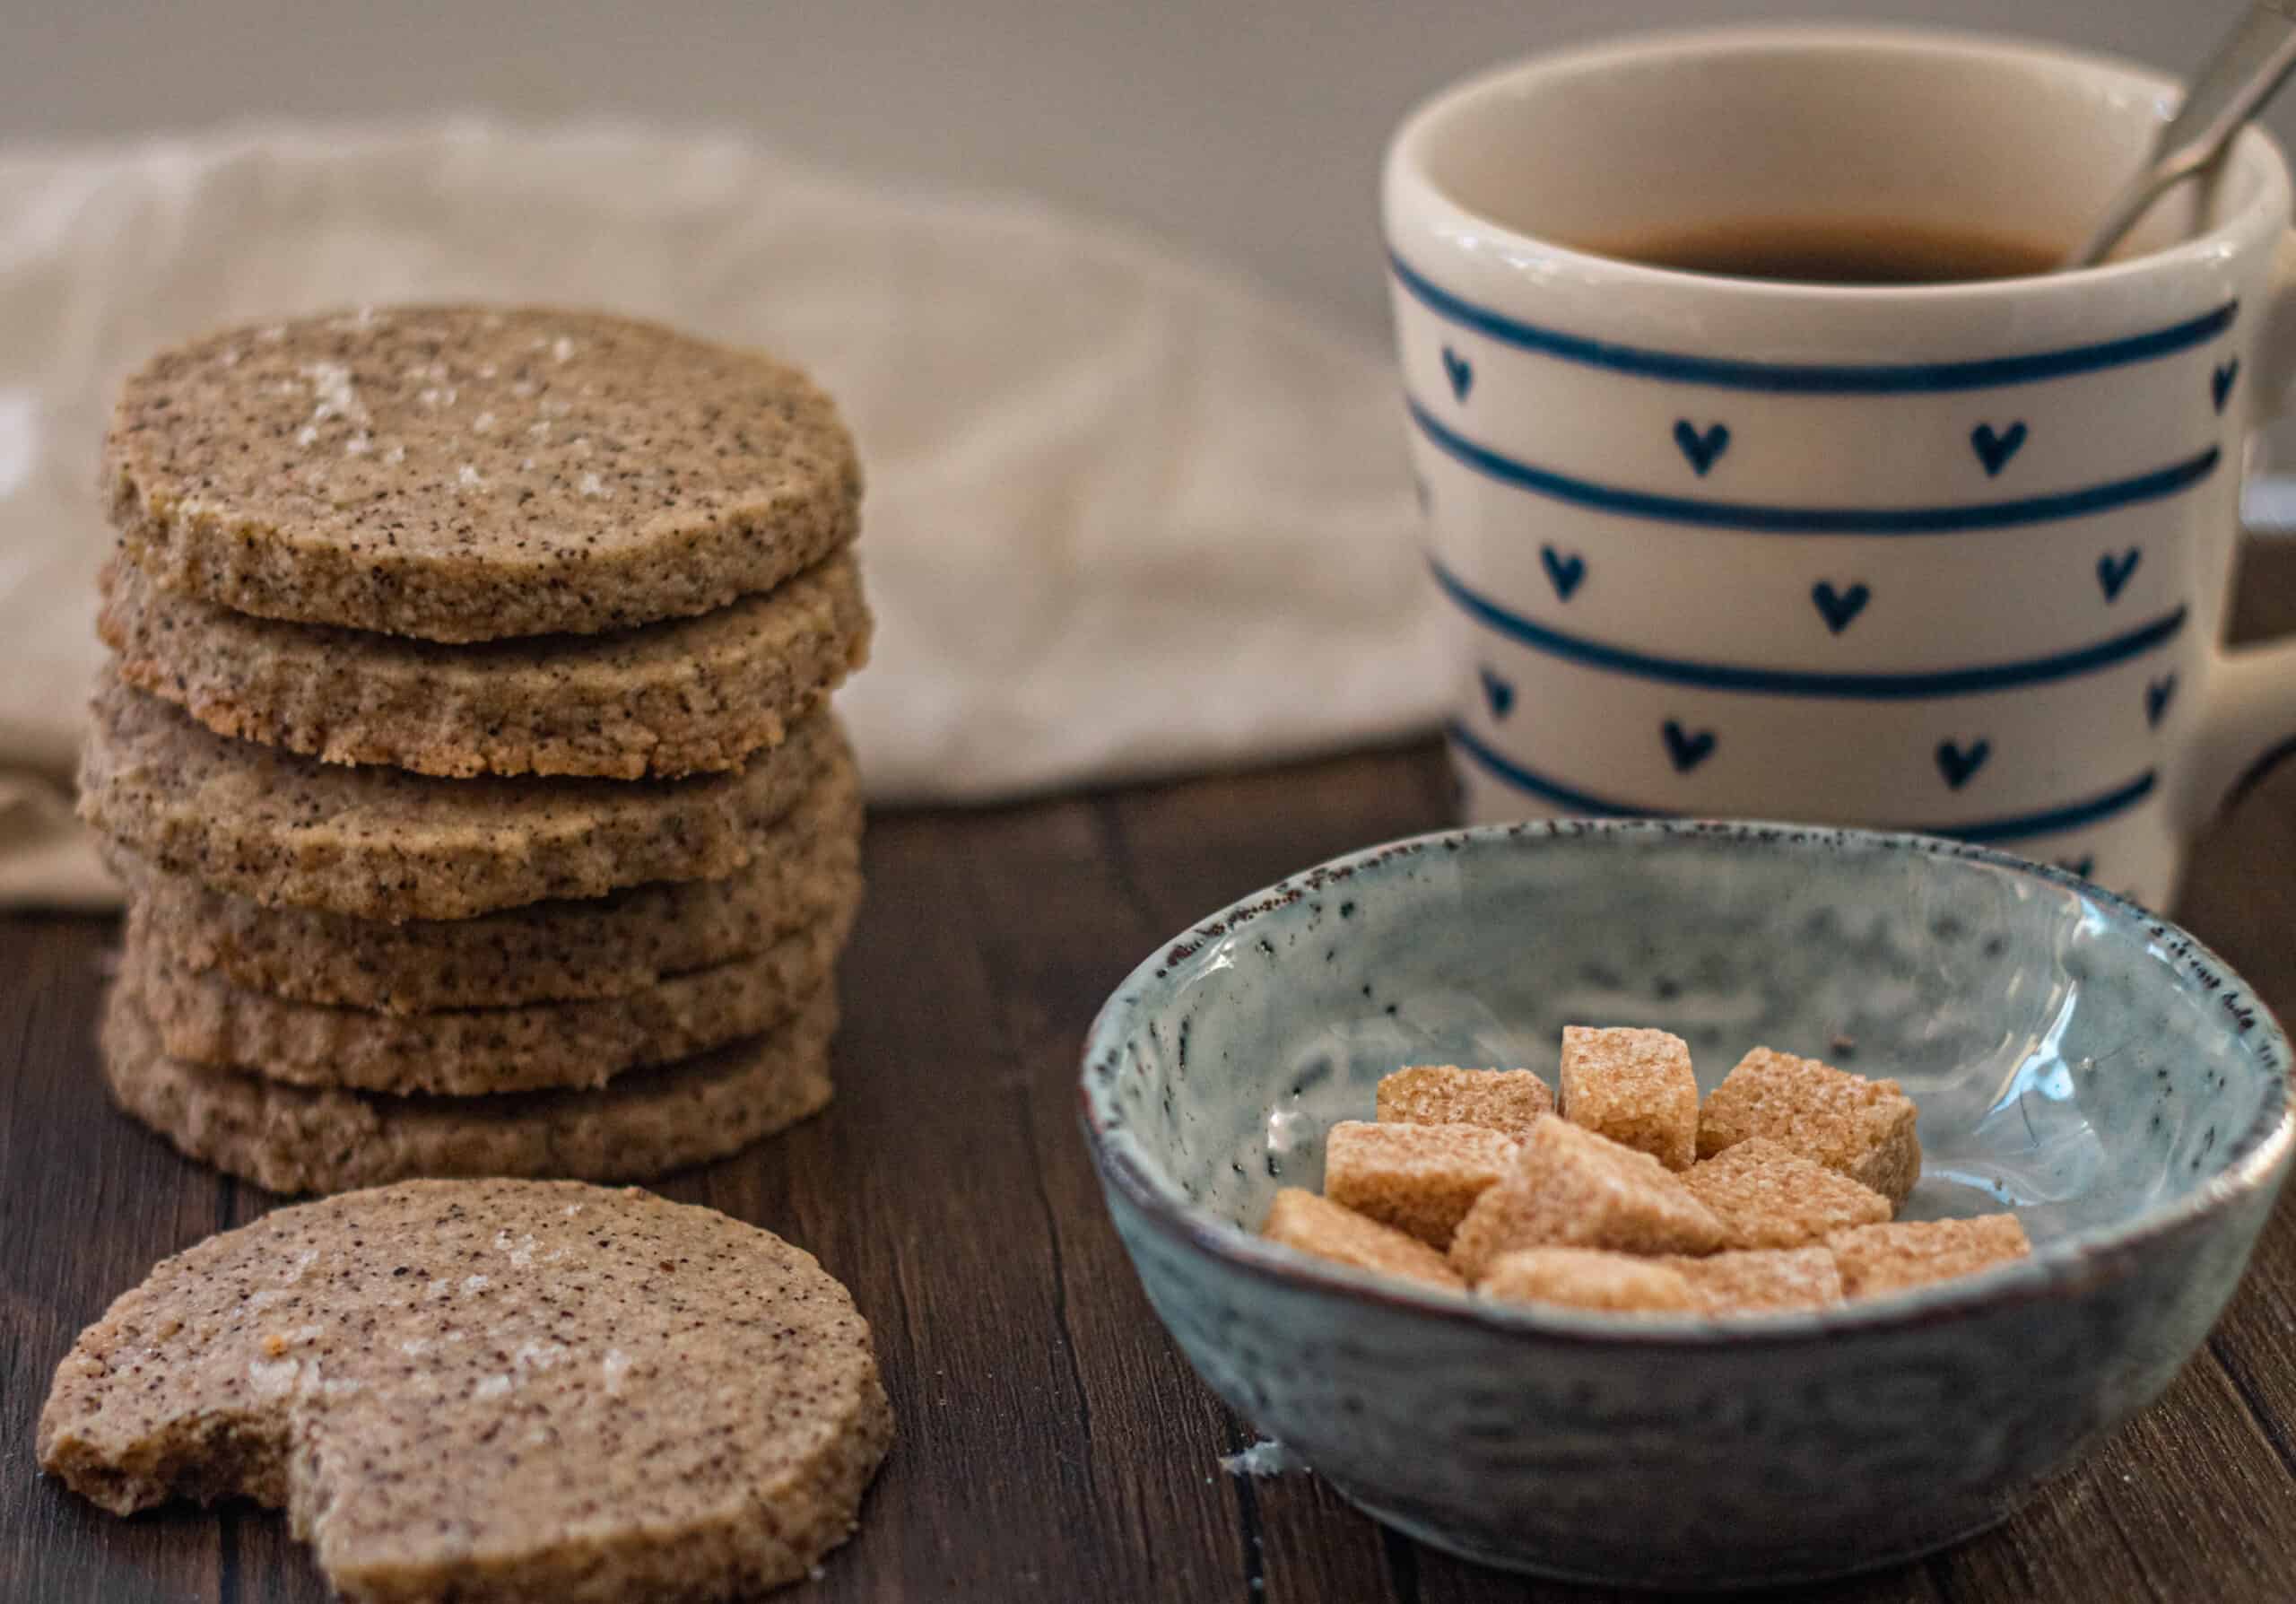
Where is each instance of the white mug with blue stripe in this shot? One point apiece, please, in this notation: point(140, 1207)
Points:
point(1952, 558)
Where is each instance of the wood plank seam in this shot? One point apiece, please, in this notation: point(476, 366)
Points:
point(1059, 1265)
point(2244, 1385)
point(1240, 1439)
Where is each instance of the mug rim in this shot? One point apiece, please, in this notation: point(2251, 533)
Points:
point(1406, 170)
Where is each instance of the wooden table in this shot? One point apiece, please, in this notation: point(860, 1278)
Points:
point(1053, 1444)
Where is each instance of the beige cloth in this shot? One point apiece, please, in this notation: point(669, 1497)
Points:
point(1125, 516)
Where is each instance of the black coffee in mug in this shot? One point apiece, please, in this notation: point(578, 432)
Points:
point(1838, 251)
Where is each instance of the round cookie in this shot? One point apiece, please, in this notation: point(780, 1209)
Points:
point(492, 1391)
point(383, 844)
point(803, 866)
point(474, 1051)
point(690, 695)
point(320, 1139)
point(459, 473)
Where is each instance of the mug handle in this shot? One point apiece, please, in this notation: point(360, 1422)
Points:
point(2247, 717)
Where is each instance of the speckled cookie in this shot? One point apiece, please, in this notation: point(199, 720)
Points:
point(804, 867)
point(468, 1052)
point(382, 844)
point(490, 1391)
point(307, 1139)
point(690, 695)
point(467, 473)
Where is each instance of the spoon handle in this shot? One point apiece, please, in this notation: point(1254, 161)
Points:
point(2239, 79)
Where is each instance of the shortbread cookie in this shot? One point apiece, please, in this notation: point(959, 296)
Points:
point(305, 1139)
point(490, 1391)
point(687, 696)
point(377, 843)
point(805, 867)
point(466, 474)
point(472, 1051)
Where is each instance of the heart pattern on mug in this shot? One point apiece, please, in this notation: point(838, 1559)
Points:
point(1498, 694)
point(1563, 572)
point(2112, 572)
point(1701, 448)
point(1840, 608)
point(1459, 371)
point(1995, 451)
point(1957, 764)
point(1625, 482)
point(1687, 750)
point(2156, 699)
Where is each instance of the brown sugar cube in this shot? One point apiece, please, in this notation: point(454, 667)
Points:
point(1768, 1195)
point(1634, 1087)
point(1587, 1278)
point(1420, 1179)
point(1877, 1258)
point(1864, 1128)
point(1312, 1225)
point(1501, 1099)
point(1759, 1280)
point(1568, 1187)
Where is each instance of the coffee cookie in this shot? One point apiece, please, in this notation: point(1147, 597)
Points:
point(306, 1139)
point(803, 868)
point(690, 695)
point(383, 844)
point(491, 1392)
point(461, 473)
point(472, 1051)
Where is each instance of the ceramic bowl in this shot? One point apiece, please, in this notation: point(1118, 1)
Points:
point(2074, 1057)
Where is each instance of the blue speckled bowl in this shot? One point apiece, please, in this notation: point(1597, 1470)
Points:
point(2074, 1057)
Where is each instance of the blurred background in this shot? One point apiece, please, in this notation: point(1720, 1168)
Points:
point(1246, 134)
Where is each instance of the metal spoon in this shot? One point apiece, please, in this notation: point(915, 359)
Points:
point(2239, 79)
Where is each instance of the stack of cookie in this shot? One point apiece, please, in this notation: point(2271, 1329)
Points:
point(465, 750)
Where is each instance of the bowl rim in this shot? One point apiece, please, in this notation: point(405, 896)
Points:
point(2061, 1267)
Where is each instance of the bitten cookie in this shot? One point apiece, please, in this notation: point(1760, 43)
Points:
point(459, 473)
point(687, 696)
point(309, 1139)
point(475, 1051)
point(801, 868)
point(380, 844)
point(491, 1390)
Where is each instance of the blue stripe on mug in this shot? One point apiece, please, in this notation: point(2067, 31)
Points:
point(1817, 520)
point(1790, 681)
point(1820, 378)
point(2072, 815)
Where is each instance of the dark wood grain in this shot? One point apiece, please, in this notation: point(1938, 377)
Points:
point(1053, 1445)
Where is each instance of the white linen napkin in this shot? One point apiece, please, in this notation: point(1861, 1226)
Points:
point(1125, 516)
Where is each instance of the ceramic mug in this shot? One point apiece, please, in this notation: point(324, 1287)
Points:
point(1951, 558)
